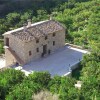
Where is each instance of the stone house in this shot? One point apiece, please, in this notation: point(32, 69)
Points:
point(33, 41)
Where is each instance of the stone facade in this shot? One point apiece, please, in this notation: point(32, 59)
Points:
point(27, 50)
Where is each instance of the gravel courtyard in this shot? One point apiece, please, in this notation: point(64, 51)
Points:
point(58, 63)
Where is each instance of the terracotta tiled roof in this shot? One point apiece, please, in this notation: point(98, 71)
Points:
point(37, 30)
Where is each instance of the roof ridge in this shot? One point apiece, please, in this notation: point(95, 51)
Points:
point(21, 28)
point(37, 30)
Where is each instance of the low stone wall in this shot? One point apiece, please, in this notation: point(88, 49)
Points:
point(68, 74)
point(71, 69)
point(75, 66)
point(74, 46)
point(78, 47)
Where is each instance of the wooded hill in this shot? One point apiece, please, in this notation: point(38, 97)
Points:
point(82, 21)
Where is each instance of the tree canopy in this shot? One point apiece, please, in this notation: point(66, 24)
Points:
point(82, 20)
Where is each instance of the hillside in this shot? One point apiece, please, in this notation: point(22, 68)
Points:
point(8, 6)
point(82, 20)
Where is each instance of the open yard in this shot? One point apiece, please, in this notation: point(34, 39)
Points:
point(58, 63)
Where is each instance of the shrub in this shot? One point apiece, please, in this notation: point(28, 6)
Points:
point(9, 78)
point(42, 78)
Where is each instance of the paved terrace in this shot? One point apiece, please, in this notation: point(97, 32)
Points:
point(58, 63)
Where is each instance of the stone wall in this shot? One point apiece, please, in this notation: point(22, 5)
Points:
point(59, 39)
point(9, 58)
point(17, 46)
point(75, 66)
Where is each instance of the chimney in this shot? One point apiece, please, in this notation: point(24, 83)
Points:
point(29, 22)
point(24, 27)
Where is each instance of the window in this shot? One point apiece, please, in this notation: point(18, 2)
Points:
point(37, 40)
point(37, 49)
point(53, 43)
point(46, 37)
point(30, 53)
point(54, 34)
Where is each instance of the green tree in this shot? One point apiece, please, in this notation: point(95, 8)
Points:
point(13, 19)
point(41, 78)
point(24, 91)
point(54, 84)
point(9, 78)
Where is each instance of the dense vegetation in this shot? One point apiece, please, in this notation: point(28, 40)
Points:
point(82, 21)
point(14, 85)
point(8, 79)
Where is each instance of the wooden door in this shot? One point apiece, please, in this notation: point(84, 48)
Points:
point(44, 49)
